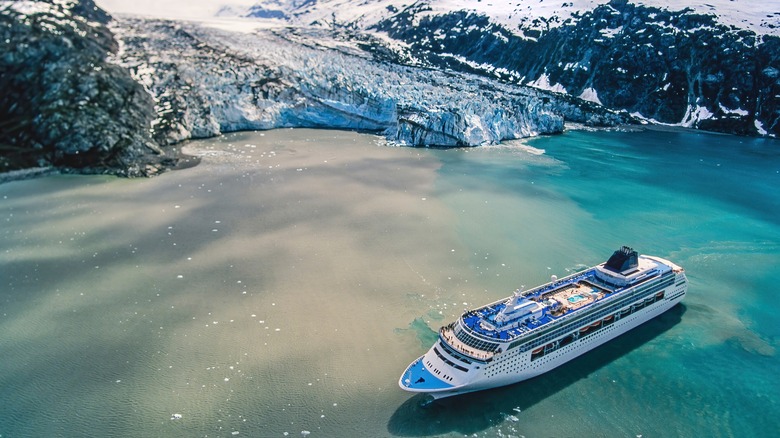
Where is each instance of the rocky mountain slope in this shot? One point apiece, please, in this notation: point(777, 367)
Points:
point(713, 65)
point(62, 104)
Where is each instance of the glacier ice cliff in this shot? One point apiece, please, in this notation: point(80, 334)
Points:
point(206, 81)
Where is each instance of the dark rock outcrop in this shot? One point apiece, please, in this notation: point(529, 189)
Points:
point(673, 67)
point(62, 103)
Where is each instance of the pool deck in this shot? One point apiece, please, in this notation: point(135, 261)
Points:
point(567, 296)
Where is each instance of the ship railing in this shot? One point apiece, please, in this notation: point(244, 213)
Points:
point(569, 279)
point(448, 333)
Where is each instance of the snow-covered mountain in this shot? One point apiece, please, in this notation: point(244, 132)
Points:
point(713, 65)
point(518, 16)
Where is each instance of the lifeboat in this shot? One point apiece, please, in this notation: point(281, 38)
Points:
point(659, 295)
point(609, 318)
point(538, 350)
point(595, 324)
point(584, 329)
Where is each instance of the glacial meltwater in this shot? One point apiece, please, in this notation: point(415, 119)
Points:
point(280, 287)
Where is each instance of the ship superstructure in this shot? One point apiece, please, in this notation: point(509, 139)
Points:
point(534, 331)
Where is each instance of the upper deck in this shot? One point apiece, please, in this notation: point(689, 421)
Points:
point(479, 333)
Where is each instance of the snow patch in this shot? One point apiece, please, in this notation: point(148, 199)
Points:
point(544, 83)
point(738, 111)
point(610, 33)
point(694, 114)
point(760, 127)
point(590, 95)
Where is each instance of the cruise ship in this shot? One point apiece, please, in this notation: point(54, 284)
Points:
point(534, 331)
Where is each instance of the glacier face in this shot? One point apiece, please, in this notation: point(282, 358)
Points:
point(206, 81)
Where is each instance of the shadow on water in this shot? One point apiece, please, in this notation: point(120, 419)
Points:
point(475, 412)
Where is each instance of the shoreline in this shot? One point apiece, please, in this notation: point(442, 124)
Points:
point(182, 160)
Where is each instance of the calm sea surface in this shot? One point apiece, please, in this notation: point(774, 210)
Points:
point(281, 287)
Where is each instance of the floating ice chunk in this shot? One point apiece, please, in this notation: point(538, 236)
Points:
point(176, 417)
point(305, 433)
point(235, 432)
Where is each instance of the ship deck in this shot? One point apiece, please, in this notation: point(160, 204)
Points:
point(573, 293)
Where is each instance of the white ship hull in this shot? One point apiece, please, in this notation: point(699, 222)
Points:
point(526, 369)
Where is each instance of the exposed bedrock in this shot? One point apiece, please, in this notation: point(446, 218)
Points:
point(672, 67)
point(62, 104)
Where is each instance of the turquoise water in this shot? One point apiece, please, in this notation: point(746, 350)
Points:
point(283, 285)
point(575, 299)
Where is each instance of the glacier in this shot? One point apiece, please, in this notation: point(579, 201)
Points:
point(206, 81)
